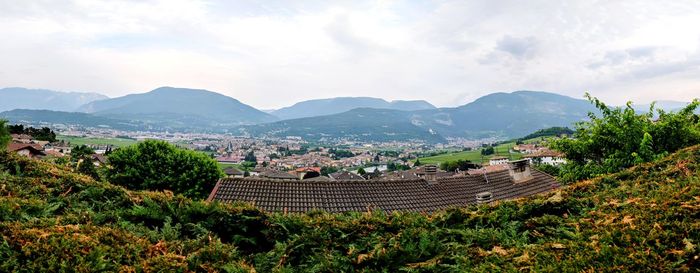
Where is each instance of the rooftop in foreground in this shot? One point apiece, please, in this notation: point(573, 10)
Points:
point(417, 194)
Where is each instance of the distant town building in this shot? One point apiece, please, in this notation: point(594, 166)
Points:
point(345, 175)
point(546, 156)
point(498, 160)
point(232, 172)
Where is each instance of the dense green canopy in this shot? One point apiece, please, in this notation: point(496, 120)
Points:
point(620, 138)
point(158, 165)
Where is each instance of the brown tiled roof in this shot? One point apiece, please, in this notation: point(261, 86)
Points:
point(34, 148)
point(274, 174)
point(386, 195)
point(345, 175)
point(233, 171)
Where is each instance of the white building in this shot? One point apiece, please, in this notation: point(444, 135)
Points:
point(498, 160)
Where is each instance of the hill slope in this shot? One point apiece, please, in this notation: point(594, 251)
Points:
point(42, 99)
point(69, 118)
point(322, 107)
point(508, 115)
point(504, 115)
point(179, 107)
point(642, 219)
point(363, 124)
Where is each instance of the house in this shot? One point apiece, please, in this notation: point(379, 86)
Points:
point(498, 160)
point(279, 175)
point(345, 175)
point(26, 149)
point(21, 138)
point(232, 172)
point(527, 148)
point(412, 194)
point(546, 156)
point(307, 172)
point(99, 159)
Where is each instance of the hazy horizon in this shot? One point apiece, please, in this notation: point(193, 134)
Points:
point(448, 53)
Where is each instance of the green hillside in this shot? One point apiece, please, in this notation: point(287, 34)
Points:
point(641, 219)
point(473, 155)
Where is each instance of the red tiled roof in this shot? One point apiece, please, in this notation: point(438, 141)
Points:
point(386, 195)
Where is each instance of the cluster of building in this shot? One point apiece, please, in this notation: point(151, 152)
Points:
point(534, 153)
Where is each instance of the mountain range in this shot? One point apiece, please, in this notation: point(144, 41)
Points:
point(501, 115)
point(42, 99)
point(322, 107)
point(179, 108)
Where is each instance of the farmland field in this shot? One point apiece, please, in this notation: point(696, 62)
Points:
point(117, 142)
point(473, 155)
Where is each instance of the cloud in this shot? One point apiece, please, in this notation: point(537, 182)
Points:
point(447, 52)
point(523, 48)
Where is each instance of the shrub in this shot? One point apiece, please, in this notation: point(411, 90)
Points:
point(158, 165)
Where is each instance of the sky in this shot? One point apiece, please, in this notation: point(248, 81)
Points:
point(271, 54)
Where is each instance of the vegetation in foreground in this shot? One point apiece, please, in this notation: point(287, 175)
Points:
point(640, 219)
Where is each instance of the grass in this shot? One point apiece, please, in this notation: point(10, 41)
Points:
point(473, 155)
point(76, 141)
point(226, 165)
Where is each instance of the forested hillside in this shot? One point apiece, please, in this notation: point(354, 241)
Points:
point(640, 219)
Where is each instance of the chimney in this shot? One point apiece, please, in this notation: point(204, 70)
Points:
point(484, 197)
point(520, 170)
point(430, 172)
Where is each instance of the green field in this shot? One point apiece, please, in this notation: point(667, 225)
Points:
point(117, 142)
point(226, 165)
point(473, 156)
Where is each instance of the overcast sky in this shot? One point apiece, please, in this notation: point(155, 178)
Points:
point(271, 54)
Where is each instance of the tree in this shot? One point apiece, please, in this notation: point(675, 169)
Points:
point(417, 162)
point(81, 152)
point(5, 137)
point(487, 151)
point(361, 171)
point(459, 164)
point(250, 157)
point(326, 170)
point(87, 167)
point(620, 138)
point(159, 165)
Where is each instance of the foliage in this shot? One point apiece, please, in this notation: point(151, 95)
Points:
point(640, 219)
point(393, 166)
point(620, 138)
point(326, 170)
point(487, 151)
point(250, 157)
point(549, 132)
point(87, 167)
point(5, 137)
point(459, 164)
point(549, 169)
point(361, 171)
point(81, 152)
point(339, 153)
point(43, 134)
point(158, 165)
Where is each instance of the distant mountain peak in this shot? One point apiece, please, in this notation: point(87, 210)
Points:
point(179, 106)
point(330, 106)
point(44, 99)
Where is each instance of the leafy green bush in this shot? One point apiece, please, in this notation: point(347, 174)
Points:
point(4, 135)
point(158, 165)
point(621, 138)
